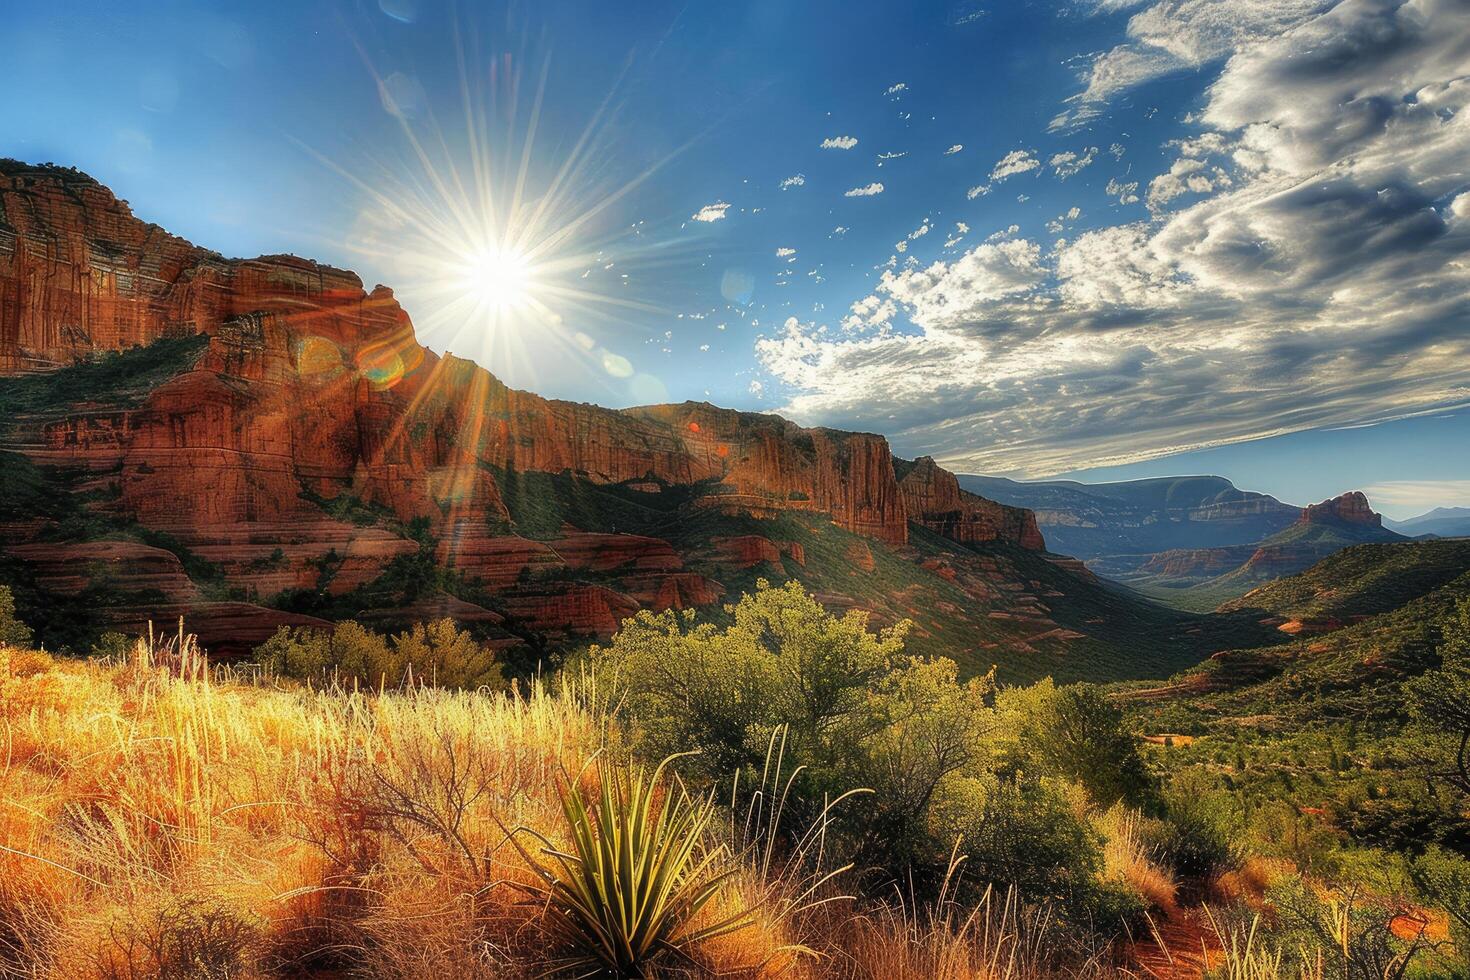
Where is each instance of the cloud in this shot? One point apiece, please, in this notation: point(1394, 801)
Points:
point(1177, 35)
point(785, 253)
point(896, 91)
point(1324, 281)
point(1014, 162)
point(1069, 164)
point(1186, 175)
point(711, 212)
point(1125, 193)
point(839, 142)
point(954, 149)
point(1410, 498)
point(796, 180)
point(868, 190)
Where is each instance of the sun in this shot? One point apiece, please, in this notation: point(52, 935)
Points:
point(499, 278)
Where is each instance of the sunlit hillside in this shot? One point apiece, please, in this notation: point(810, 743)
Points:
point(846, 811)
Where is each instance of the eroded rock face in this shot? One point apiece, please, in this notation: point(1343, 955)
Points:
point(1348, 508)
point(306, 393)
point(932, 497)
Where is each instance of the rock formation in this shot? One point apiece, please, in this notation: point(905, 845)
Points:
point(1347, 508)
point(933, 498)
point(304, 435)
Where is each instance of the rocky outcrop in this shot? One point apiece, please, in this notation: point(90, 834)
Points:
point(1196, 563)
point(933, 498)
point(1348, 508)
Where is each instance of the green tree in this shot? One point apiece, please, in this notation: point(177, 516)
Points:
point(858, 713)
point(1076, 733)
point(1444, 879)
point(446, 656)
point(1440, 699)
point(438, 653)
point(783, 662)
point(349, 653)
point(12, 631)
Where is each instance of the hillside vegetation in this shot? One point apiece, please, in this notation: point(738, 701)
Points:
point(1361, 581)
point(850, 811)
point(1342, 753)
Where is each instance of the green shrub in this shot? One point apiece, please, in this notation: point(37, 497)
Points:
point(445, 656)
point(857, 713)
point(1202, 817)
point(1077, 734)
point(438, 654)
point(112, 646)
point(12, 631)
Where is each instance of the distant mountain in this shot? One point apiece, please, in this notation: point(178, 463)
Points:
point(1366, 615)
point(1200, 578)
point(1444, 522)
point(1141, 517)
point(1360, 581)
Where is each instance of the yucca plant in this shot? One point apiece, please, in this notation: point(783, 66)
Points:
point(639, 871)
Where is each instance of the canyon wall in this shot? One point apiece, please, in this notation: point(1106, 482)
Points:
point(296, 389)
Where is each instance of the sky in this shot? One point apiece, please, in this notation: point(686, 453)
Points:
point(1095, 238)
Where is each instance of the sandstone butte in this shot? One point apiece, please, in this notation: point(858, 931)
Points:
point(306, 387)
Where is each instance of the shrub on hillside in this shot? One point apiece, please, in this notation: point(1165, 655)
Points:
point(851, 710)
point(12, 631)
point(1440, 699)
point(1075, 733)
point(438, 653)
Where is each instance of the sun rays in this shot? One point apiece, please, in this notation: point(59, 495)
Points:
point(506, 248)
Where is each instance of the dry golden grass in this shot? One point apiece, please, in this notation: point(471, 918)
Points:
point(159, 819)
point(1128, 858)
point(156, 821)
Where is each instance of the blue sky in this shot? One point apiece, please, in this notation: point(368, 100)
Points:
point(1168, 227)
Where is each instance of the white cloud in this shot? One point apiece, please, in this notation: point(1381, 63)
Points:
point(1014, 162)
point(978, 191)
point(897, 90)
point(785, 253)
point(954, 149)
point(1125, 193)
point(867, 190)
point(711, 212)
point(839, 142)
point(1069, 163)
point(1324, 281)
point(1178, 35)
point(795, 180)
point(1410, 498)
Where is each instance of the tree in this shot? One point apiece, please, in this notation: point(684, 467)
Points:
point(848, 707)
point(443, 655)
point(1440, 699)
point(1077, 734)
point(13, 632)
point(784, 662)
point(438, 653)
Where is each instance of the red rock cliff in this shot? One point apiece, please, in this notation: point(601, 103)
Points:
point(1348, 508)
point(300, 387)
point(310, 381)
point(932, 497)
